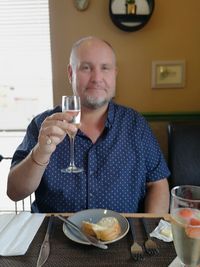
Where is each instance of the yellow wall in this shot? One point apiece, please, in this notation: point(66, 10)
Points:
point(173, 33)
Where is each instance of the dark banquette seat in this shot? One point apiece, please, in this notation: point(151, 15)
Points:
point(184, 152)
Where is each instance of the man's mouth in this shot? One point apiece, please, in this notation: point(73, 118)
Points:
point(95, 88)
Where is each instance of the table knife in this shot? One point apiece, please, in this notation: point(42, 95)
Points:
point(45, 247)
point(91, 239)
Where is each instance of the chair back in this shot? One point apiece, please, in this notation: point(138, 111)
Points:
point(184, 153)
point(8, 204)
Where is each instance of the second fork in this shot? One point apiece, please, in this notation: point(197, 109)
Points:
point(150, 246)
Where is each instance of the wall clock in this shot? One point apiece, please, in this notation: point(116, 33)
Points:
point(81, 4)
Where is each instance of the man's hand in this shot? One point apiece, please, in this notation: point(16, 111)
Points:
point(53, 130)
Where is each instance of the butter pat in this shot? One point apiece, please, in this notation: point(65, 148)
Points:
point(166, 232)
point(163, 231)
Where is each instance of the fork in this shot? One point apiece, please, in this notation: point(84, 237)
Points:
point(136, 250)
point(150, 246)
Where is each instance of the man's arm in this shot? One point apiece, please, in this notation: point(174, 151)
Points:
point(25, 177)
point(157, 197)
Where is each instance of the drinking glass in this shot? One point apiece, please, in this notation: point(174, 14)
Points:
point(72, 104)
point(185, 218)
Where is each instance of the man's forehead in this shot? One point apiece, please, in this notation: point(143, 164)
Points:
point(95, 62)
point(103, 55)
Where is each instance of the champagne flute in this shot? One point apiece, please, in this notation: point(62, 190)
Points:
point(185, 218)
point(72, 104)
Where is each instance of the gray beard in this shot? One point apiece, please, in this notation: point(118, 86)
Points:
point(93, 103)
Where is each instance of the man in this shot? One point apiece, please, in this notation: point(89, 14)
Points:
point(124, 169)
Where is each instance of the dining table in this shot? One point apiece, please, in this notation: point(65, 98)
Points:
point(65, 252)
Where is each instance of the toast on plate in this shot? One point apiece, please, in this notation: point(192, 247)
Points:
point(107, 229)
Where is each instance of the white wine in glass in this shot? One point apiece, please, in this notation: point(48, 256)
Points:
point(185, 219)
point(72, 104)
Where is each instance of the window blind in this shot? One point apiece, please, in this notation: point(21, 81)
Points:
point(25, 61)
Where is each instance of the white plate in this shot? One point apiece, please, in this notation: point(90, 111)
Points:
point(94, 215)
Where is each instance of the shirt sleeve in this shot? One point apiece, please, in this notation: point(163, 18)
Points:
point(156, 166)
point(29, 141)
point(31, 136)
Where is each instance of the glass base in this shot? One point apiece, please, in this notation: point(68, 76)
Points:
point(72, 169)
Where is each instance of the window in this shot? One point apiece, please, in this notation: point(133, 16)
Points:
point(25, 62)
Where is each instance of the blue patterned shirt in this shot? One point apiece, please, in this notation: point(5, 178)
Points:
point(117, 166)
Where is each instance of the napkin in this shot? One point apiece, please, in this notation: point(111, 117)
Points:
point(163, 231)
point(175, 263)
point(17, 232)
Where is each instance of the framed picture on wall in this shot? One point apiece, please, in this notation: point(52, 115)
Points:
point(168, 74)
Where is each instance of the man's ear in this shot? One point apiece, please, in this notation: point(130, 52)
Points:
point(69, 72)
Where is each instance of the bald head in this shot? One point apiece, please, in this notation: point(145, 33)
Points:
point(87, 41)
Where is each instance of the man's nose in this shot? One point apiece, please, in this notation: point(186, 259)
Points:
point(96, 75)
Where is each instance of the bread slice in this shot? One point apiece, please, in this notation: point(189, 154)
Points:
point(107, 229)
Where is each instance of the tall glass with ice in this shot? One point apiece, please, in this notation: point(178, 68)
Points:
point(185, 216)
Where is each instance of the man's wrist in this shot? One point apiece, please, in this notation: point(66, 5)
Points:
point(36, 161)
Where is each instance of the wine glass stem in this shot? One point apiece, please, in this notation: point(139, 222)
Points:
point(72, 138)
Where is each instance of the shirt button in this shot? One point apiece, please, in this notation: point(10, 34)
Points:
point(91, 172)
point(91, 195)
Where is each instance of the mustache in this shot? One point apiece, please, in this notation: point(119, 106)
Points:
point(96, 87)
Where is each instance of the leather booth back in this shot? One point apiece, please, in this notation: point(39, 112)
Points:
point(184, 153)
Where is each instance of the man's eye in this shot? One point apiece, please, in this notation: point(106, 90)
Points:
point(106, 67)
point(85, 67)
